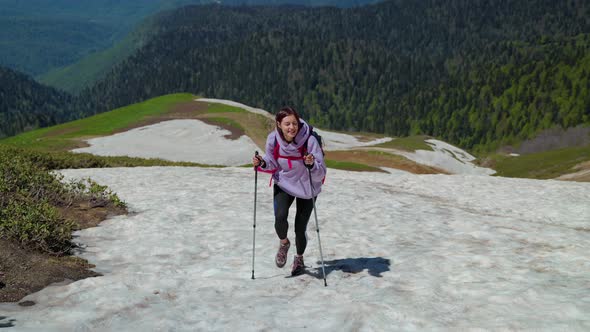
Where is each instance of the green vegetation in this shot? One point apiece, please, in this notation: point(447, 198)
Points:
point(64, 136)
point(35, 44)
point(476, 74)
point(531, 87)
point(542, 165)
point(37, 36)
point(410, 143)
point(479, 75)
point(30, 196)
point(69, 160)
point(25, 104)
point(84, 73)
point(222, 108)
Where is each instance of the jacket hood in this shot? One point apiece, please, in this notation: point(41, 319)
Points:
point(300, 139)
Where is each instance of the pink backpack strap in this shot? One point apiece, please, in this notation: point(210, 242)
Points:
point(270, 171)
point(277, 155)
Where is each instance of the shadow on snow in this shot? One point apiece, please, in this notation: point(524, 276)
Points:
point(374, 266)
point(4, 322)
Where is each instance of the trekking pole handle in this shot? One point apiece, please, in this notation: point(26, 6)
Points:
point(262, 162)
point(305, 156)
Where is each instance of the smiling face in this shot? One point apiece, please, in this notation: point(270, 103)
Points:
point(289, 127)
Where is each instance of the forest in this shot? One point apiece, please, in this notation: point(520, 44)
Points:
point(479, 74)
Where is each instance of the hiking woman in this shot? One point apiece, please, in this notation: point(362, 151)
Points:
point(291, 150)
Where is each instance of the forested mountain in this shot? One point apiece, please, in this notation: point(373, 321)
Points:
point(40, 35)
point(478, 73)
point(26, 104)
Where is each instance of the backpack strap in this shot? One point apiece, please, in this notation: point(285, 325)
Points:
point(277, 155)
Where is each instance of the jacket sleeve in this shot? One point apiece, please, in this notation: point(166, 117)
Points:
point(268, 158)
point(318, 171)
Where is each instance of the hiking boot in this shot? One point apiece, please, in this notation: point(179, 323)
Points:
point(281, 258)
point(298, 266)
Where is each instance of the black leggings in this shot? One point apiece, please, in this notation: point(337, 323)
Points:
point(282, 203)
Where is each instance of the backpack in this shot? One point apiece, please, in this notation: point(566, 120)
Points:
point(318, 138)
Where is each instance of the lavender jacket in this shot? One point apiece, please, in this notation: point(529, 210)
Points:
point(294, 180)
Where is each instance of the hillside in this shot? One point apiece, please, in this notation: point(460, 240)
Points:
point(26, 104)
point(398, 67)
point(503, 240)
point(136, 130)
point(38, 36)
point(88, 70)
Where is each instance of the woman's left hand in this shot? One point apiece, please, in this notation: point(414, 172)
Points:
point(308, 159)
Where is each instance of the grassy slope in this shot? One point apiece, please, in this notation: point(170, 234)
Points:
point(65, 136)
point(542, 165)
point(70, 135)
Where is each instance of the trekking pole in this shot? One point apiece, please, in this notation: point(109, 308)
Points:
point(254, 226)
point(317, 227)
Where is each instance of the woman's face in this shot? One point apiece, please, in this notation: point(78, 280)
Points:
point(289, 126)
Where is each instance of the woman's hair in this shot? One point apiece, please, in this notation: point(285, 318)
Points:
point(283, 113)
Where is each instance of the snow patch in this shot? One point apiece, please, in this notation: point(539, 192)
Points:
point(176, 140)
point(402, 252)
point(338, 141)
point(447, 157)
point(239, 105)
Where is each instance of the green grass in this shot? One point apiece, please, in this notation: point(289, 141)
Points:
point(61, 137)
point(350, 166)
point(410, 143)
point(543, 165)
point(222, 108)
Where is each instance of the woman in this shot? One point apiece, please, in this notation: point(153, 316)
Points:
point(291, 151)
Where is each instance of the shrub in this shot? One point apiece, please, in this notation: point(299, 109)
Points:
point(30, 195)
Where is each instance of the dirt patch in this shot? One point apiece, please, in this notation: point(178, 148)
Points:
point(383, 160)
point(581, 174)
point(583, 166)
point(191, 108)
point(256, 126)
point(23, 272)
point(61, 132)
point(88, 214)
point(234, 134)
